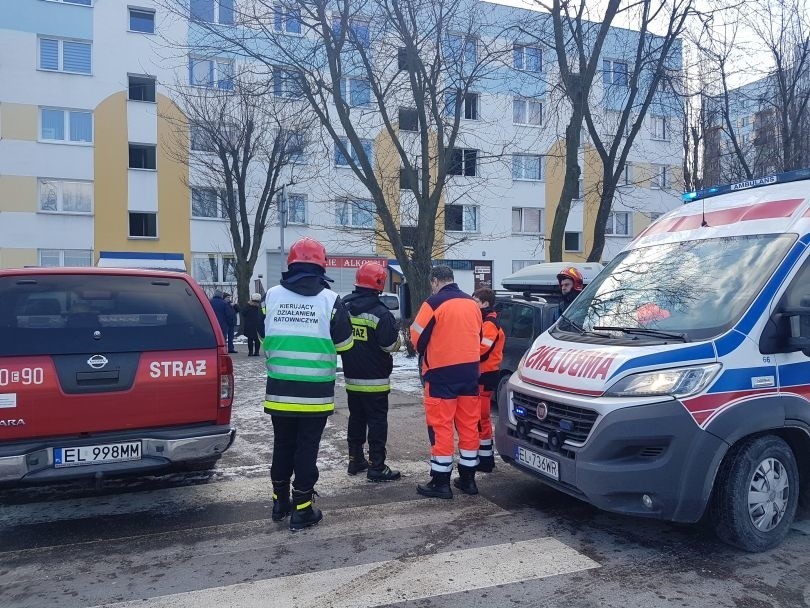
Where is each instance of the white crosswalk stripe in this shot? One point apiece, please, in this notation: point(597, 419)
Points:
point(405, 579)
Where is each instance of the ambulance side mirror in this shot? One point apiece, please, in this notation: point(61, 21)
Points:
point(787, 331)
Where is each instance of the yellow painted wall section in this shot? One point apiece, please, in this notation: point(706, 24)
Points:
point(174, 207)
point(676, 178)
point(555, 177)
point(18, 193)
point(18, 121)
point(387, 170)
point(18, 258)
point(640, 222)
point(592, 186)
point(110, 167)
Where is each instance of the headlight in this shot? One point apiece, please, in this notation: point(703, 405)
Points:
point(678, 382)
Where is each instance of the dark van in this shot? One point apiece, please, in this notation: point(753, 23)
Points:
point(106, 371)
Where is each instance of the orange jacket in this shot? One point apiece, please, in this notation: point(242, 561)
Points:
point(447, 333)
point(492, 342)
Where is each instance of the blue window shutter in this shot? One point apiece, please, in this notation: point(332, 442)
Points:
point(48, 54)
point(76, 57)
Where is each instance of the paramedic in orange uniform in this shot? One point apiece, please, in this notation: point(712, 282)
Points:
point(447, 334)
point(492, 341)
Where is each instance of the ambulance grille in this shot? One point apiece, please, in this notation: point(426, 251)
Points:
point(575, 422)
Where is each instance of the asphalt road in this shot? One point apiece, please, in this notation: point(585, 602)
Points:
point(206, 539)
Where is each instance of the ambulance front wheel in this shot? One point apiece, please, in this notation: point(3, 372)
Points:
point(756, 493)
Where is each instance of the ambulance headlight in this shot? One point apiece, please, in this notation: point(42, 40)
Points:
point(677, 382)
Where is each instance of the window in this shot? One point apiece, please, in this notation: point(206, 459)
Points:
point(142, 156)
point(470, 109)
point(74, 126)
point(463, 162)
point(297, 209)
point(627, 175)
point(403, 59)
point(527, 220)
point(573, 241)
point(527, 167)
point(342, 161)
point(141, 20)
point(527, 112)
point(201, 139)
point(660, 178)
point(355, 213)
point(579, 193)
point(212, 11)
point(614, 72)
point(659, 127)
point(142, 225)
point(287, 83)
point(213, 268)
point(521, 264)
point(359, 32)
point(461, 49)
point(461, 218)
point(51, 258)
point(527, 58)
point(408, 119)
point(57, 55)
point(654, 215)
point(207, 203)
point(409, 179)
point(61, 196)
point(296, 148)
point(618, 223)
point(82, 2)
point(355, 91)
point(611, 124)
point(211, 73)
point(141, 88)
point(287, 19)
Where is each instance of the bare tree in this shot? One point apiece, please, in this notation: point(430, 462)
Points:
point(244, 144)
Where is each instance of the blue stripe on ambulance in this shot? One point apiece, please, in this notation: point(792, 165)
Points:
point(732, 380)
point(794, 374)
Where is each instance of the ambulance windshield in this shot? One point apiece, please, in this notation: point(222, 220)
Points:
point(695, 288)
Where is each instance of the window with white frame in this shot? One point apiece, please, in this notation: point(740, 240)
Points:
point(659, 127)
point(297, 209)
point(287, 83)
point(141, 20)
point(141, 88)
point(212, 11)
point(201, 138)
point(142, 225)
point(296, 148)
point(211, 73)
point(354, 213)
point(60, 55)
point(63, 196)
point(72, 126)
point(660, 177)
point(521, 264)
point(461, 218)
point(213, 268)
point(356, 92)
point(527, 58)
point(469, 109)
point(527, 111)
point(464, 161)
point(287, 19)
point(618, 223)
point(143, 156)
point(53, 258)
point(207, 203)
point(527, 220)
point(359, 30)
point(572, 241)
point(461, 49)
point(527, 167)
point(614, 72)
point(341, 160)
point(611, 124)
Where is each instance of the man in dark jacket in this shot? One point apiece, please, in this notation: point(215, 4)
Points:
point(253, 324)
point(367, 369)
point(224, 312)
point(231, 321)
point(306, 326)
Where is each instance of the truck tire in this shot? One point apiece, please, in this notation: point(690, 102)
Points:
point(756, 494)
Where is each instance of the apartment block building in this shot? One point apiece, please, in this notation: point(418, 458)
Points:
point(90, 172)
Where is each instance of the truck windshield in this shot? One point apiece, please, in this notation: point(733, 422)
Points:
point(694, 288)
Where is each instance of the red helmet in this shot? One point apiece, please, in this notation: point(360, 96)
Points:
point(371, 275)
point(309, 251)
point(573, 274)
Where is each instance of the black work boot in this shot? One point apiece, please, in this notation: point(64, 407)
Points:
point(437, 487)
point(382, 473)
point(486, 464)
point(466, 480)
point(304, 513)
point(357, 460)
point(281, 500)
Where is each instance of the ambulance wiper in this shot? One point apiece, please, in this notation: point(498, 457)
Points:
point(581, 329)
point(645, 332)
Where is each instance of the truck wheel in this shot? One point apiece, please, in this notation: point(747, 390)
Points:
point(756, 494)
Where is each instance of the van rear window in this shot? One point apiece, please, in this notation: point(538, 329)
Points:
point(72, 314)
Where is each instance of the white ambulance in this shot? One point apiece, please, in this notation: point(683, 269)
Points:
point(678, 383)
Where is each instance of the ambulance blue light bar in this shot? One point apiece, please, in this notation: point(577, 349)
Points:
point(779, 178)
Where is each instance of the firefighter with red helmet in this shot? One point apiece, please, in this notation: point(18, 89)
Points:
point(306, 327)
point(570, 281)
point(492, 343)
point(367, 369)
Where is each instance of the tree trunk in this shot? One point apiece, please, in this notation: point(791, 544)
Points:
point(573, 134)
point(602, 215)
